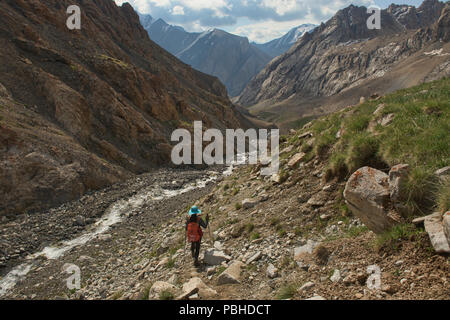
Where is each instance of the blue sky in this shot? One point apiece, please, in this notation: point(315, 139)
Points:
point(259, 20)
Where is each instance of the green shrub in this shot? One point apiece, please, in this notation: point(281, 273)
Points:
point(286, 292)
point(399, 232)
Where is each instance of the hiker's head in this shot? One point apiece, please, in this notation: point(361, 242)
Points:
point(195, 211)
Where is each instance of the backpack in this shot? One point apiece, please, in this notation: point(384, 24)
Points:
point(194, 232)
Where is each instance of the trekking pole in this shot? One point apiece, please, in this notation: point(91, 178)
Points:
point(210, 235)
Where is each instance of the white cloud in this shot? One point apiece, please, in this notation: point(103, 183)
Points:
point(258, 19)
point(178, 10)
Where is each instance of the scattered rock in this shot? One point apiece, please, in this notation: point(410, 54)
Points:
point(336, 276)
point(160, 286)
point(294, 161)
point(255, 257)
point(316, 298)
point(249, 203)
point(308, 285)
point(272, 271)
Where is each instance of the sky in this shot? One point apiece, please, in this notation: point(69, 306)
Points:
point(259, 20)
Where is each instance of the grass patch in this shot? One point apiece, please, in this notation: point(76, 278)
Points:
point(392, 237)
point(418, 135)
point(355, 231)
point(166, 295)
point(254, 236)
point(238, 206)
point(286, 292)
point(220, 270)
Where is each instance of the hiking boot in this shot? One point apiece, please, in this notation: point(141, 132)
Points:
point(196, 263)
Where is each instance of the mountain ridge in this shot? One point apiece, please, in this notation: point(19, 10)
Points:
point(342, 54)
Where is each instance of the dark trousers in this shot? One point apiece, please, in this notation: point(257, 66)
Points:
point(195, 249)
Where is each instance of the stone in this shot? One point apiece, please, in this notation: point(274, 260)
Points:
point(336, 276)
point(249, 203)
point(204, 291)
point(295, 159)
point(218, 245)
point(316, 200)
point(316, 298)
point(302, 254)
point(272, 271)
point(435, 228)
point(442, 172)
point(231, 275)
point(367, 194)
point(308, 285)
point(214, 257)
point(254, 257)
point(160, 286)
point(275, 178)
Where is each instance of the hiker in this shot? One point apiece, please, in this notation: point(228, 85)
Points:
point(194, 231)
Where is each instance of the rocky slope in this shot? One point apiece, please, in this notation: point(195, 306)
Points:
point(279, 46)
point(342, 60)
point(82, 109)
point(289, 236)
point(229, 57)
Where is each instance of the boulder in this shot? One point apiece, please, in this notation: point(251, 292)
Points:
point(434, 226)
point(214, 257)
point(295, 159)
point(231, 275)
point(197, 284)
point(367, 194)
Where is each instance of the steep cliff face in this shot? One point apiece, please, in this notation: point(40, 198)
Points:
point(84, 108)
point(343, 53)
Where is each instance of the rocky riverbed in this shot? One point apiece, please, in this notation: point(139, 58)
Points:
point(34, 246)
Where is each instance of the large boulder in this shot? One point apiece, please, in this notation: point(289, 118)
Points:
point(214, 257)
point(231, 275)
point(197, 285)
point(434, 226)
point(367, 194)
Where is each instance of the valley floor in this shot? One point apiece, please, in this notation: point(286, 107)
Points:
point(147, 247)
